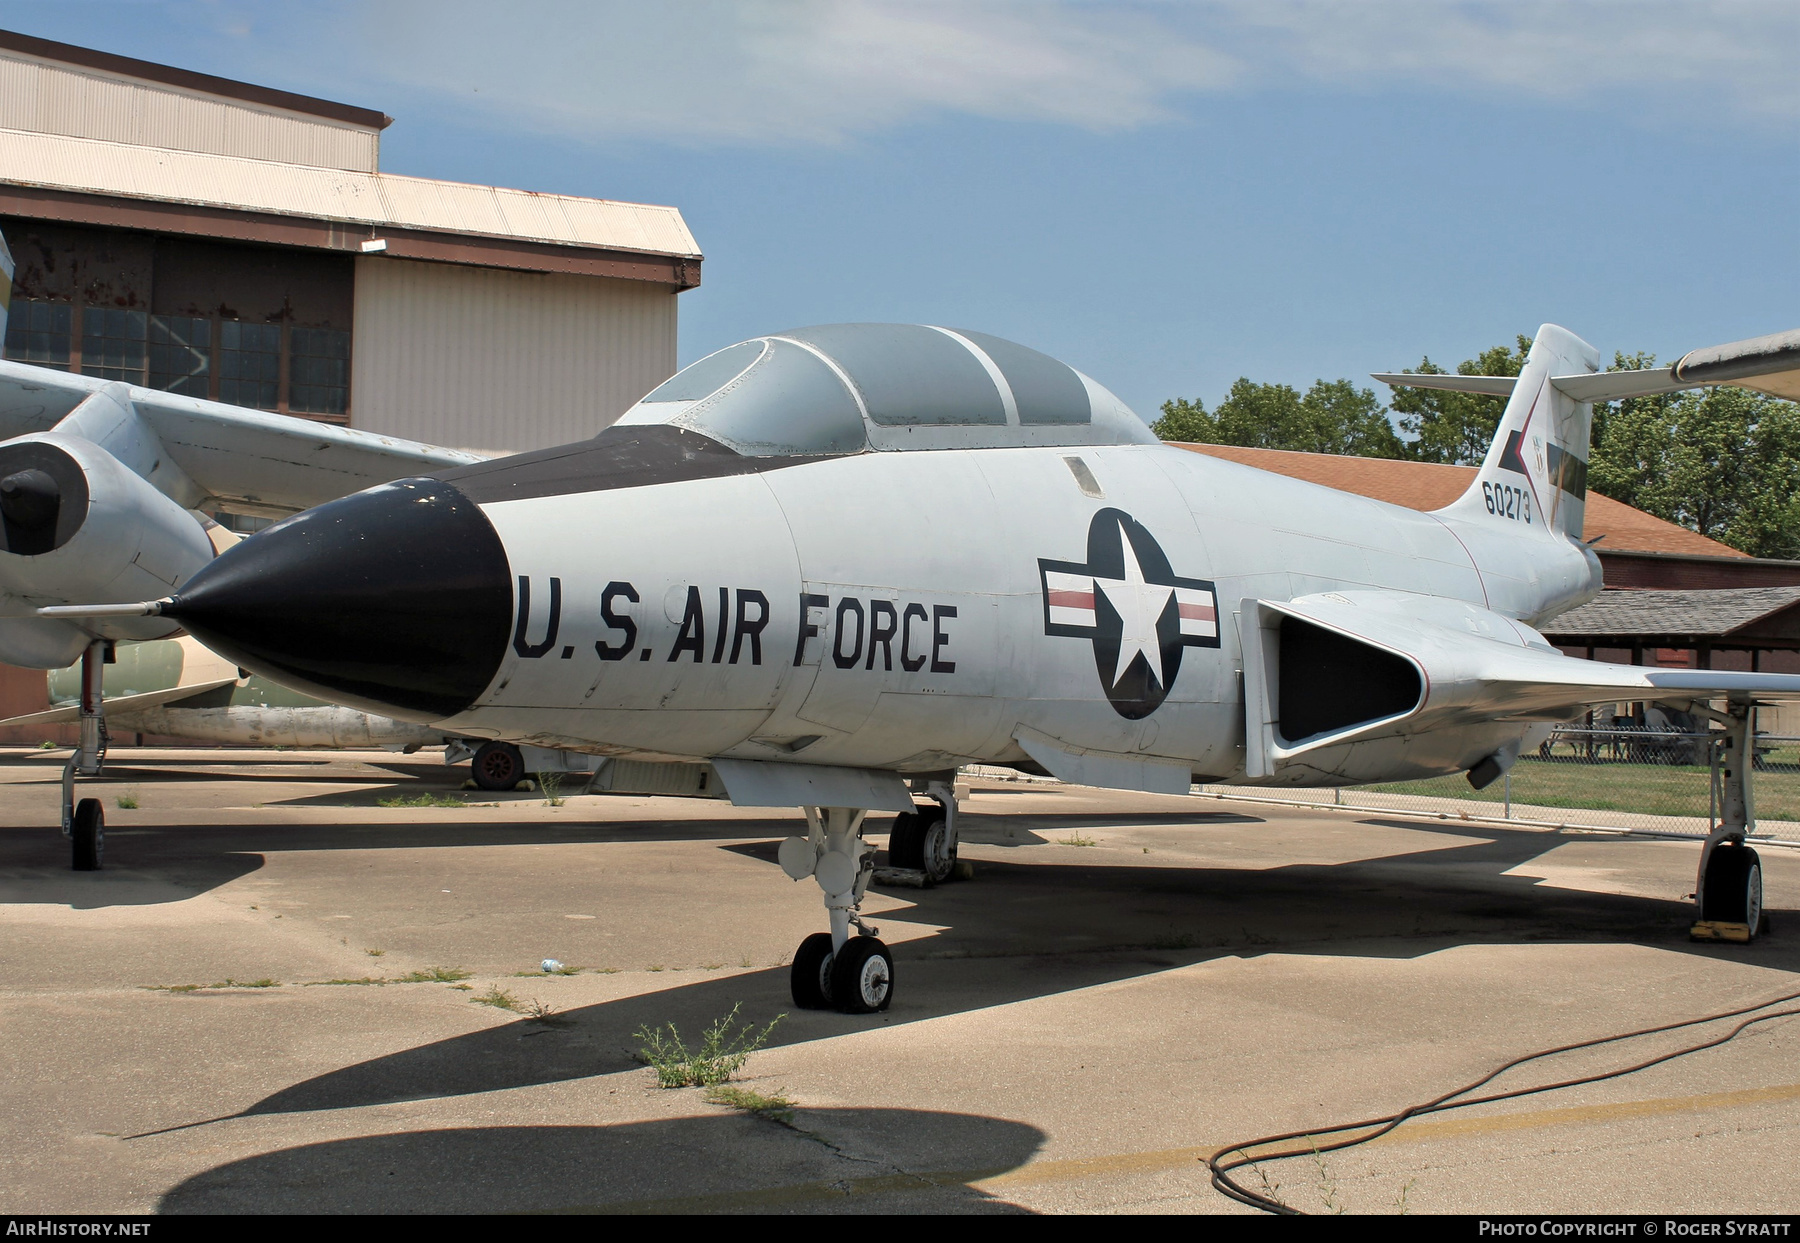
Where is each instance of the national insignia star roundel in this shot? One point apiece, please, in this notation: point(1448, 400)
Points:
point(1129, 603)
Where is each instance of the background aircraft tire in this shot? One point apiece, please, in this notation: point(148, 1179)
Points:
point(810, 978)
point(862, 976)
point(906, 842)
point(87, 836)
point(1733, 893)
point(497, 766)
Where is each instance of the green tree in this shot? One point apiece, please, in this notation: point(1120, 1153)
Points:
point(1333, 417)
point(1186, 421)
point(1456, 427)
point(1724, 462)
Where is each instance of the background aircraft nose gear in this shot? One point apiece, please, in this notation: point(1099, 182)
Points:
point(497, 766)
point(836, 970)
point(85, 825)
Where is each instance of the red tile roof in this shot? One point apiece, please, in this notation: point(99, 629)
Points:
point(1427, 485)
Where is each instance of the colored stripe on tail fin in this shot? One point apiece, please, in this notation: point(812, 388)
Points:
point(1535, 473)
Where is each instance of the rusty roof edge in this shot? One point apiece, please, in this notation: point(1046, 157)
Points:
point(368, 221)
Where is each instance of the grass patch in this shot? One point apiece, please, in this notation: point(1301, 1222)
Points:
point(498, 998)
point(724, 1048)
point(228, 982)
point(550, 785)
point(422, 800)
point(1648, 789)
point(776, 1108)
point(1077, 839)
point(46, 746)
point(434, 975)
point(128, 801)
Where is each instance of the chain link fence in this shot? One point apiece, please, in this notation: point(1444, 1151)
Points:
point(1644, 778)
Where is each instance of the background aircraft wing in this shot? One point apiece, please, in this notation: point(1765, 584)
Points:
point(122, 703)
point(247, 460)
point(1768, 364)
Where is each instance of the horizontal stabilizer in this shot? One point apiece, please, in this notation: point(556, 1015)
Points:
point(122, 704)
point(1768, 364)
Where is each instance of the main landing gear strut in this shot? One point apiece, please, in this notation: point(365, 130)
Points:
point(84, 823)
point(835, 970)
point(1729, 891)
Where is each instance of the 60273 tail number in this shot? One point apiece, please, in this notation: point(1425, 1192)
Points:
point(1506, 501)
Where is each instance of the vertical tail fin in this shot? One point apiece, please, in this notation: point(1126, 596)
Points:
point(1535, 472)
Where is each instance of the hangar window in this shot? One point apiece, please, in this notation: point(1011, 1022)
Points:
point(788, 401)
point(37, 331)
point(249, 363)
point(114, 343)
point(319, 371)
point(181, 354)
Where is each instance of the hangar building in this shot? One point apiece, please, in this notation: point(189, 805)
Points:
point(231, 241)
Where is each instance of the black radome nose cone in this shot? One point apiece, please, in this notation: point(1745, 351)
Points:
point(396, 600)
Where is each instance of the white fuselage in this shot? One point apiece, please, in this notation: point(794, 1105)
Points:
point(924, 643)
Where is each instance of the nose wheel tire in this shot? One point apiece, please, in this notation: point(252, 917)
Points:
point(497, 766)
point(810, 977)
point(862, 976)
point(87, 836)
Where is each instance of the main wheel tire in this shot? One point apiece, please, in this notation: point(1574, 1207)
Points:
point(1733, 893)
point(906, 842)
point(497, 766)
point(937, 852)
point(810, 977)
point(87, 836)
point(862, 976)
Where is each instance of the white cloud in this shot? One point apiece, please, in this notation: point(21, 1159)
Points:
point(799, 72)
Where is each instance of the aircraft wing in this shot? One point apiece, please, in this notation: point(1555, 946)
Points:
point(122, 703)
point(246, 460)
point(1768, 364)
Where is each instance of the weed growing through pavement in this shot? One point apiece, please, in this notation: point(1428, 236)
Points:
point(422, 800)
point(551, 786)
point(722, 1052)
point(434, 975)
point(1400, 1200)
point(1327, 1184)
point(374, 953)
point(128, 801)
point(265, 982)
point(367, 979)
point(543, 1012)
point(498, 998)
point(46, 746)
point(776, 1107)
point(1078, 839)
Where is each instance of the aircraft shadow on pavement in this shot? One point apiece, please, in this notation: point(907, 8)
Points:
point(1021, 931)
point(718, 1163)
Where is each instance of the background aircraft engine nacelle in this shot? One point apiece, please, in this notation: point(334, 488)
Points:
point(78, 527)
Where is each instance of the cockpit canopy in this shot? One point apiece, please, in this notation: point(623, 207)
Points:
point(846, 388)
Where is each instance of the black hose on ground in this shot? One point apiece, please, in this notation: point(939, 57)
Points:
point(1221, 1163)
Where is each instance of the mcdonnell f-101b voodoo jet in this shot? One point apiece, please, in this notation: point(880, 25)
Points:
point(825, 568)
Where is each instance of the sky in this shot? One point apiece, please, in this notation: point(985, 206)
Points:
point(1165, 195)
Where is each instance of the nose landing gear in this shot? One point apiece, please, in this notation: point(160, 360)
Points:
point(834, 970)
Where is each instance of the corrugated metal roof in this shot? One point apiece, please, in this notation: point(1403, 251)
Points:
point(1700, 614)
point(91, 166)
